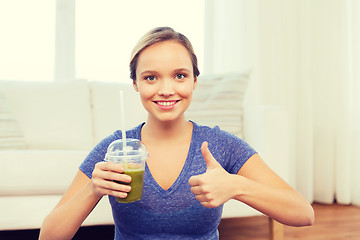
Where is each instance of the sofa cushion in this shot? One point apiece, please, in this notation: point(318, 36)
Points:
point(105, 98)
point(218, 100)
point(38, 172)
point(11, 136)
point(52, 115)
point(29, 212)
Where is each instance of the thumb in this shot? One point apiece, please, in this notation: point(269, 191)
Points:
point(209, 159)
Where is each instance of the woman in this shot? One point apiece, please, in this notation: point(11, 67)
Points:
point(192, 170)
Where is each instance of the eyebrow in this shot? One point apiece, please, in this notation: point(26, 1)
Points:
point(156, 72)
point(182, 70)
point(148, 72)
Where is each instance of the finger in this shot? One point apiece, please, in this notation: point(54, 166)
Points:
point(106, 186)
point(112, 176)
point(118, 194)
point(202, 198)
point(210, 160)
point(197, 190)
point(120, 178)
point(209, 204)
point(110, 166)
point(194, 180)
point(114, 193)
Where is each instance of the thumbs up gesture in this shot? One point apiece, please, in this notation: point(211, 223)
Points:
point(211, 188)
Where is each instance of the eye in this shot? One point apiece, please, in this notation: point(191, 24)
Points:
point(150, 78)
point(180, 76)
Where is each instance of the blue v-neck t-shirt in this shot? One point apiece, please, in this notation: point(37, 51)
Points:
point(173, 213)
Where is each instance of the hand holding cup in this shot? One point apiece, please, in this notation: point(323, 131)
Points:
point(108, 178)
point(128, 157)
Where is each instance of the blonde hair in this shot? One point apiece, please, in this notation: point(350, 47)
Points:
point(161, 34)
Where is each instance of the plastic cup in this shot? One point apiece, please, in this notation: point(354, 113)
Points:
point(133, 159)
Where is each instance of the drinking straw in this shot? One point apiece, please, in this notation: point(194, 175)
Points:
point(123, 130)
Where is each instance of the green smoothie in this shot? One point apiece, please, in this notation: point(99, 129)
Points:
point(137, 181)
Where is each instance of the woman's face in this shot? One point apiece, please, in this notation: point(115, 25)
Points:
point(165, 80)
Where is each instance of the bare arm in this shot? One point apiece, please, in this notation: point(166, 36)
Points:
point(255, 185)
point(80, 199)
point(265, 191)
point(76, 204)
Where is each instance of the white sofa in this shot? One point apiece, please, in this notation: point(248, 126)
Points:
point(61, 121)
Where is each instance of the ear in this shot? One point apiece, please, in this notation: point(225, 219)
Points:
point(135, 86)
point(195, 83)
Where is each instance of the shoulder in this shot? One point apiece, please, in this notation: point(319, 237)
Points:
point(215, 134)
point(231, 151)
point(202, 130)
point(134, 132)
point(220, 140)
point(131, 133)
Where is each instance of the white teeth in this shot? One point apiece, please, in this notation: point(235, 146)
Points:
point(166, 103)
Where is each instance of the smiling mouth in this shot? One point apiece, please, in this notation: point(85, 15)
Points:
point(166, 103)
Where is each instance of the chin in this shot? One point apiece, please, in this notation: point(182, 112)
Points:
point(169, 119)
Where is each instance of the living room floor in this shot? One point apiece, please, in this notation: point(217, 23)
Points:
point(333, 222)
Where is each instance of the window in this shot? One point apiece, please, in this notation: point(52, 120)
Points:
point(107, 31)
point(27, 40)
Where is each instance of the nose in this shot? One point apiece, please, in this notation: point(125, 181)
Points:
point(166, 88)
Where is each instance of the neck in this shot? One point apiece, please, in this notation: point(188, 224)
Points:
point(165, 130)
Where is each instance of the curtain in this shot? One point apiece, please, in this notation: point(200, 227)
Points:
point(305, 56)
